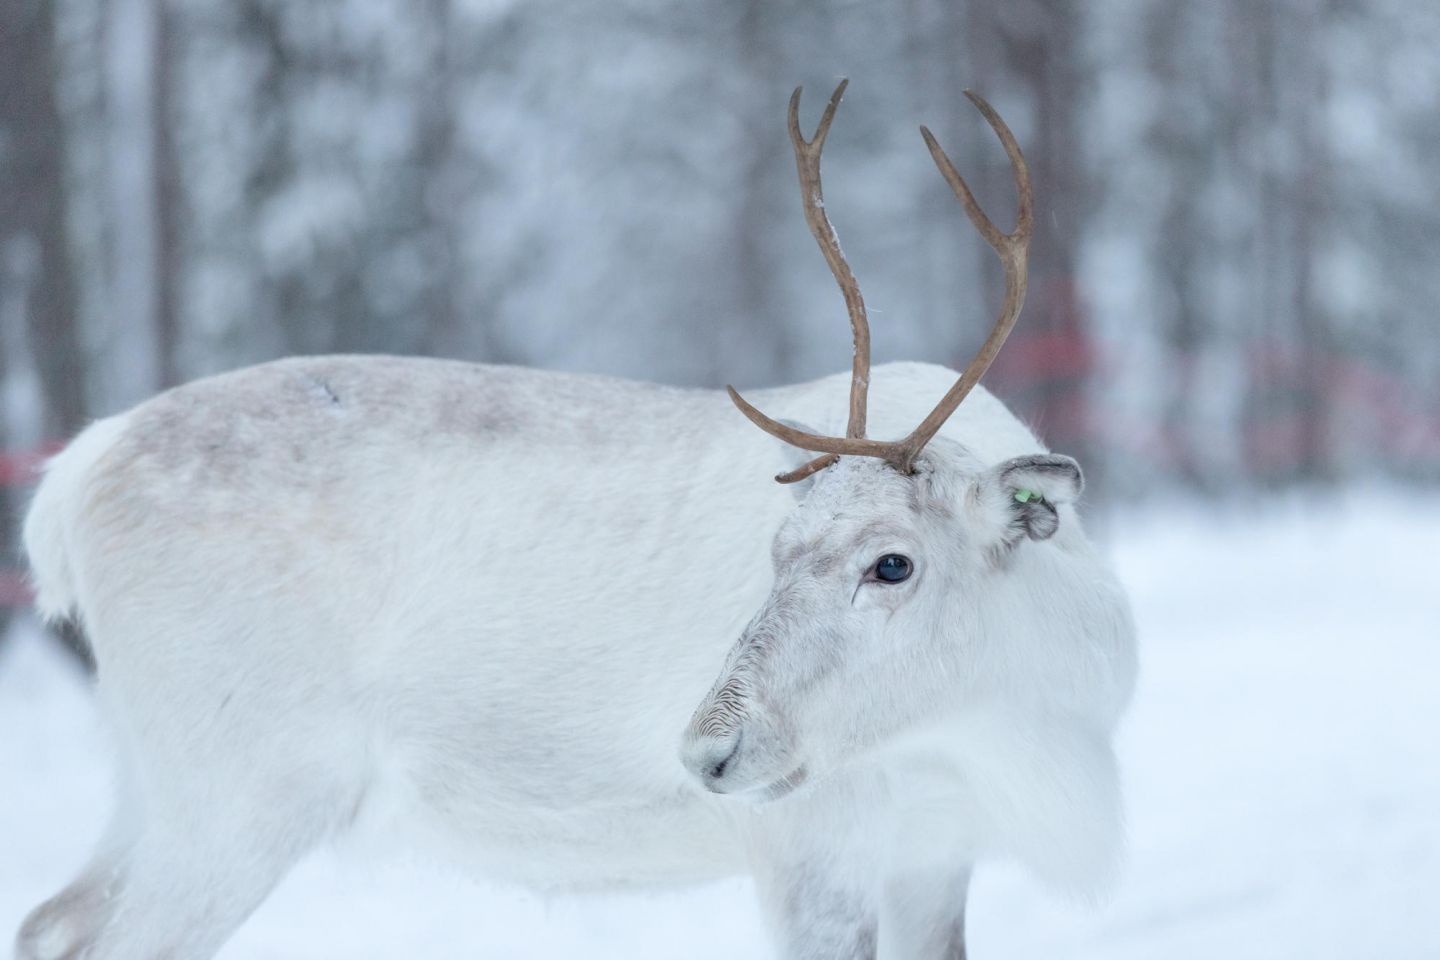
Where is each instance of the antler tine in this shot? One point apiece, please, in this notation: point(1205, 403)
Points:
point(813, 467)
point(1013, 250)
point(854, 446)
point(816, 143)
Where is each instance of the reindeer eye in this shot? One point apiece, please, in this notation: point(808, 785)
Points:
point(893, 568)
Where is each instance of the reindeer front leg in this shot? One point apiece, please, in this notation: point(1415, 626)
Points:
point(922, 914)
point(814, 861)
point(817, 915)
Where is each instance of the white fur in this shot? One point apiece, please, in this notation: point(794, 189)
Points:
point(482, 603)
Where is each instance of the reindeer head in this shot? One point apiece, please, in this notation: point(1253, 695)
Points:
point(873, 620)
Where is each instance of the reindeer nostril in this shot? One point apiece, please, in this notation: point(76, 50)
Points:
point(717, 770)
point(714, 760)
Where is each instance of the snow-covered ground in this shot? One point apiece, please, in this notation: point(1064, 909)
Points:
point(1282, 760)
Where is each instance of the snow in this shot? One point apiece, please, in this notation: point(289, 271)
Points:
point(1281, 759)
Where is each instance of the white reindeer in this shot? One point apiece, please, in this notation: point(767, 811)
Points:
point(481, 604)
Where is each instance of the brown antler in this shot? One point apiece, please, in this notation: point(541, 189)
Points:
point(812, 199)
point(1012, 248)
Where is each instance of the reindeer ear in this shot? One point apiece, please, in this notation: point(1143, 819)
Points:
point(1019, 497)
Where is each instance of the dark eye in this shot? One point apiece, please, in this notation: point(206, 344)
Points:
point(893, 568)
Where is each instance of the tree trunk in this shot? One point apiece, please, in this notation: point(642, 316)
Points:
point(33, 241)
point(747, 335)
point(32, 208)
point(166, 172)
point(440, 192)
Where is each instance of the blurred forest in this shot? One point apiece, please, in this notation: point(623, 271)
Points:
point(1233, 277)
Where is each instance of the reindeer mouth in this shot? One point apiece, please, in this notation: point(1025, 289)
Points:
point(785, 786)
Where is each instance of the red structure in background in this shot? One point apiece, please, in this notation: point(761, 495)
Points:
point(19, 468)
point(1045, 377)
point(14, 590)
point(1044, 374)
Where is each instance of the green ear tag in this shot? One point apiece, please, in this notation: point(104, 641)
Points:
point(1025, 496)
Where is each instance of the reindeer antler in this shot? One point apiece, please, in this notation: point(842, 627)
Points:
point(1012, 249)
point(812, 198)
